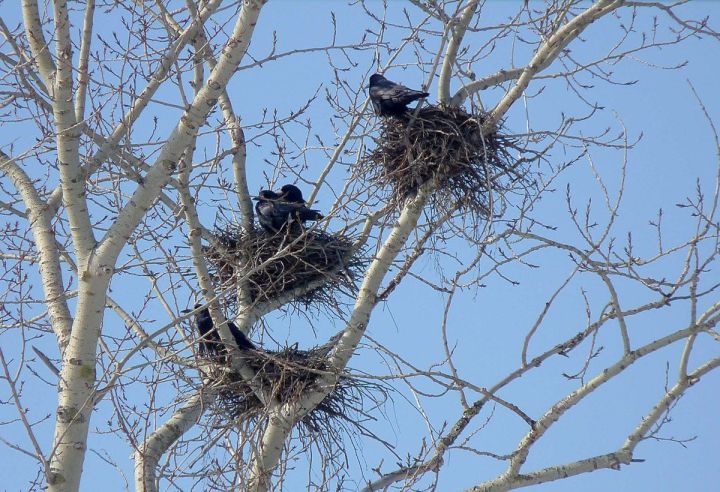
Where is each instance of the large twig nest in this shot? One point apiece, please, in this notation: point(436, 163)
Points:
point(286, 375)
point(269, 265)
point(469, 164)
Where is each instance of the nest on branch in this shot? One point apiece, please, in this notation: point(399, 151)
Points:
point(285, 376)
point(270, 265)
point(469, 164)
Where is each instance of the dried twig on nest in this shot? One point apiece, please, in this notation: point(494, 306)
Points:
point(277, 264)
point(469, 163)
point(285, 375)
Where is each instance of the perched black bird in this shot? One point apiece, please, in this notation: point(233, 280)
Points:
point(389, 98)
point(291, 193)
point(210, 343)
point(275, 210)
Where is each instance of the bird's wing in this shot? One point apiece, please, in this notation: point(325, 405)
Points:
point(285, 209)
point(396, 94)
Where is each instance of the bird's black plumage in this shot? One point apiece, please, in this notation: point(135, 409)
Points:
point(275, 210)
point(266, 211)
point(210, 343)
point(291, 193)
point(389, 98)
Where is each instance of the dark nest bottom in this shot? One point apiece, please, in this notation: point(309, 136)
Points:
point(286, 375)
point(469, 164)
point(271, 265)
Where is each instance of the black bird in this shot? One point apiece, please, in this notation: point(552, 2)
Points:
point(210, 343)
point(389, 98)
point(275, 210)
point(291, 193)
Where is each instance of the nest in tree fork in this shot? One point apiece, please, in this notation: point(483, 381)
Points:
point(270, 265)
point(285, 376)
point(468, 162)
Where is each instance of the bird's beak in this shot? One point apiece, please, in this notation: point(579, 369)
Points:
point(255, 198)
point(185, 311)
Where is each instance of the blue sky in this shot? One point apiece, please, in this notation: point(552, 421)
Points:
point(675, 152)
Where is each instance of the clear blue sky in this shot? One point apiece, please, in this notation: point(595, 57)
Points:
point(676, 150)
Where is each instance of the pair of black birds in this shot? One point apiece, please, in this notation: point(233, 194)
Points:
point(277, 210)
point(389, 98)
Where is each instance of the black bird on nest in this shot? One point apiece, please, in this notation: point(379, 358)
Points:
point(275, 210)
point(210, 343)
point(389, 98)
point(291, 193)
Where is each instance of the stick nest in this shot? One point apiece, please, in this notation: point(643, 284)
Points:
point(450, 147)
point(270, 265)
point(285, 375)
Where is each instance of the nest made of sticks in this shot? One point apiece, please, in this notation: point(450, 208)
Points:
point(285, 375)
point(268, 265)
point(468, 163)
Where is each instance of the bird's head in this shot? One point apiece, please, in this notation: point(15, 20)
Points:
point(185, 311)
point(376, 79)
point(265, 195)
point(291, 193)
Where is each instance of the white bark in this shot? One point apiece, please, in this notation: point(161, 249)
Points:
point(157, 444)
point(458, 32)
point(78, 369)
point(38, 45)
point(72, 179)
point(83, 77)
point(58, 80)
point(40, 221)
